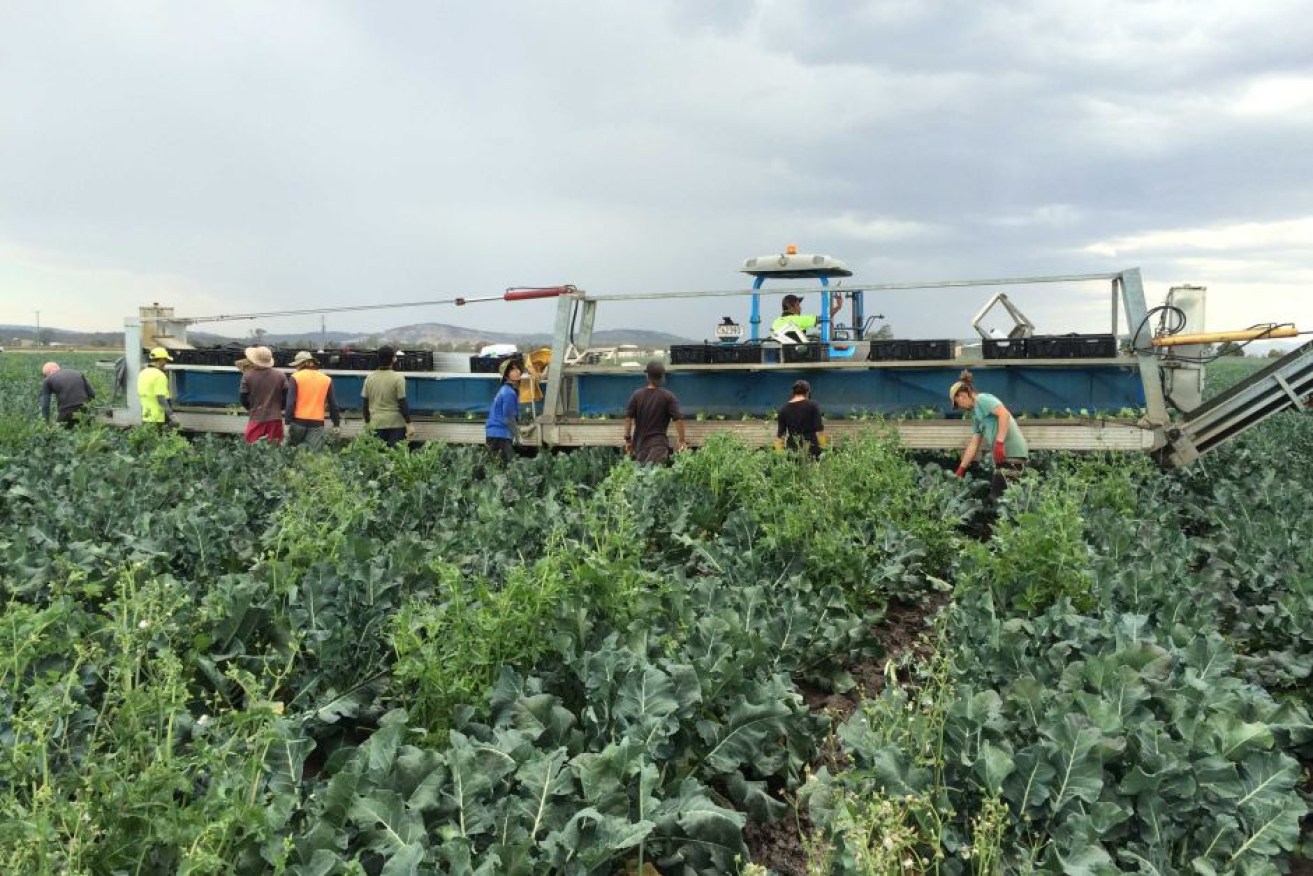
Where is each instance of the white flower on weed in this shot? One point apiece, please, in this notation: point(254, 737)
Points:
point(143, 625)
point(202, 720)
point(888, 843)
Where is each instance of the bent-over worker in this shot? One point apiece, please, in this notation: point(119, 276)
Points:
point(71, 390)
point(999, 430)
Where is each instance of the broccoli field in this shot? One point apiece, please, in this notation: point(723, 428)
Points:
point(221, 659)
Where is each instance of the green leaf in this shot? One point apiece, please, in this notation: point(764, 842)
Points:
point(750, 730)
point(1090, 860)
point(755, 799)
point(1078, 774)
point(543, 779)
point(475, 768)
point(405, 861)
point(993, 766)
point(592, 839)
point(1234, 738)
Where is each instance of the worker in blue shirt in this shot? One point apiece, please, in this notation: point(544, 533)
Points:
point(505, 411)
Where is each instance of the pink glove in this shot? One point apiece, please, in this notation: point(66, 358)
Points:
point(961, 471)
point(999, 455)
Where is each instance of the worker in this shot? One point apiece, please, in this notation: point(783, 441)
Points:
point(992, 422)
point(153, 391)
point(262, 391)
point(800, 423)
point(499, 431)
point(384, 396)
point(792, 325)
point(309, 390)
point(70, 388)
point(648, 417)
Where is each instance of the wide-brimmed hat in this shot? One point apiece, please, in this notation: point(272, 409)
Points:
point(507, 364)
point(304, 357)
point(261, 357)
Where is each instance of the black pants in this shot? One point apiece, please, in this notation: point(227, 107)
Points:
point(1005, 473)
point(653, 453)
point(502, 450)
point(68, 417)
point(392, 437)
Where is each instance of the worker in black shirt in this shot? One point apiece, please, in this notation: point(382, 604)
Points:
point(69, 387)
point(649, 414)
point(800, 422)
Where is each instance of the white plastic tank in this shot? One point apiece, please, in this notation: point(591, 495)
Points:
point(1190, 301)
point(1183, 369)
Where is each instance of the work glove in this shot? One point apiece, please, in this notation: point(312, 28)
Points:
point(779, 445)
point(961, 471)
point(999, 454)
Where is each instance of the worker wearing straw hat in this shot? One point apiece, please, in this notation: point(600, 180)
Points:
point(262, 391)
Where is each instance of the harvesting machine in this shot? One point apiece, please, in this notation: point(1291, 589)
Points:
point(1137, 387)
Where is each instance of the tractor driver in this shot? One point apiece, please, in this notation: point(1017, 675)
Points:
point(792, 325)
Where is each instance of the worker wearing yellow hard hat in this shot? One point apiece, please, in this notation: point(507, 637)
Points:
point(153, 390)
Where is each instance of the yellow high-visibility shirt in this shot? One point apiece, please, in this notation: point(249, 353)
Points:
point(151, 384)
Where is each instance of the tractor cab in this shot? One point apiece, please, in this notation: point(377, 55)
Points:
point(793, 265)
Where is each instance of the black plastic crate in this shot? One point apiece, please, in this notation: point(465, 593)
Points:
point(690, 354)
point(928, 350)
point(901, 350)
point(414, 360)
point(1071, 346)
point(357, 361)
point(887, 351)
point(809, 352)
point(486, 364)
point(734, 354)
point(189, 357)
point(1004, 348)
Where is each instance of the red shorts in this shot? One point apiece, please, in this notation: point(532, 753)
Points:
point(269, 430)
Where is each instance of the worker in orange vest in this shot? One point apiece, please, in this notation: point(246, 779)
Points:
point(308, 391)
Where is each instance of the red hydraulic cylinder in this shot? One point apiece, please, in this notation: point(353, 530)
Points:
point(523, 293)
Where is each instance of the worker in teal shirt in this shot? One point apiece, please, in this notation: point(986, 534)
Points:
point(993, 424)
point(499, 431)
point(793, 325)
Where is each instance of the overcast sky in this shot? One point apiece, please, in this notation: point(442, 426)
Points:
point(235, 157)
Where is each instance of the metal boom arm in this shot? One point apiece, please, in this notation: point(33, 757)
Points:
point(1283, 385)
